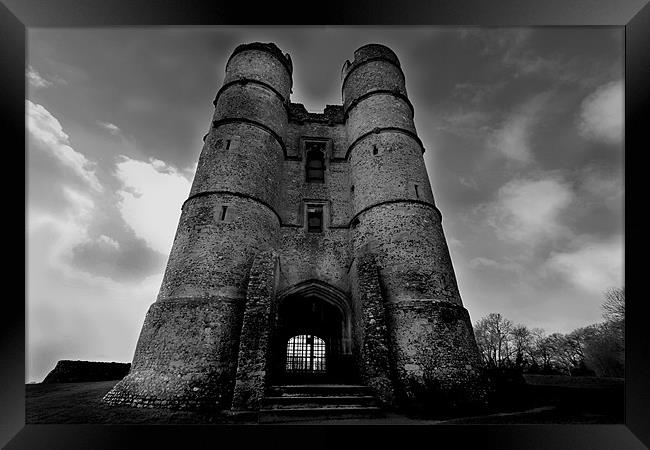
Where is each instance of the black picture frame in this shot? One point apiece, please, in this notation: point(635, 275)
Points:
point(18, 15)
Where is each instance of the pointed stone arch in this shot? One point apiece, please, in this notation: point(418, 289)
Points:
point(298, 309)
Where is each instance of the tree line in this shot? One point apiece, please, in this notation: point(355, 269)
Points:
point(596, 350)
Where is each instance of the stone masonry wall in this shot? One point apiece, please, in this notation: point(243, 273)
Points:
point(185, 357)
point(260, 66)
point(296, 191)
point(411, 251)
point(251, 165)
point(372, 337)
point(254, 102)
point(321, 256)
point(438, 363)
point(392, 173)
point(212, 257)
point(376, 111)
point(255, 341)
point(374, 75)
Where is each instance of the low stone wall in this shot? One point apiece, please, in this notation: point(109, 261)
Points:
point(67, 371)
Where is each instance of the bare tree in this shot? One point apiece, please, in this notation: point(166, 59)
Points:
point(614, 305)
point(522, 341)
point(492, 333)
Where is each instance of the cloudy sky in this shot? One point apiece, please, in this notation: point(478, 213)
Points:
point(522, 129)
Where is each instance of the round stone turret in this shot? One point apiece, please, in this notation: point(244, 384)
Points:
point(186, 356)
point(374, 68)
point(396, 220)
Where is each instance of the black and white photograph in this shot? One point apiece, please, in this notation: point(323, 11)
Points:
point(325, 225)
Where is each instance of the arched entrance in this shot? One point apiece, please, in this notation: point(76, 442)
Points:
point(312, 339)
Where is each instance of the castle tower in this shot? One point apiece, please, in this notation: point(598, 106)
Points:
point(187, 352)
point(310, 248)
point(431, 344)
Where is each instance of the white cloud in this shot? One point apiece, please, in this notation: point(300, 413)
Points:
point(151, 200)
point(527, 210)
point(512, 138)
point(593, 267)
point(481, 261)
point(111, 127)
point(35, 79)
point(108, 241)
point(601, 114)
point(67, 230)
point(48, 132)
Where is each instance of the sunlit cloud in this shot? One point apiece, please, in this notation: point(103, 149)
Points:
point(35, 79)
point(593, 267)
point(150, 202)
point(111, 127)
point(528, 210)
point(47, 131)
point(512, 138)
point(601, 114)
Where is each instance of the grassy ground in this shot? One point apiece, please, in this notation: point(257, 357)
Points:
point(69, 403)
point(546, 400)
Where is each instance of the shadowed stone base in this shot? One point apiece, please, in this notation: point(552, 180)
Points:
point(185, 357)
point(254, 356)
point(436, 358)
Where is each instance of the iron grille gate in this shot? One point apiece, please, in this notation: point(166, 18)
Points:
point(305, 354)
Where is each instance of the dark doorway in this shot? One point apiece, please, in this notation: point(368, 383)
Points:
point(312, 341)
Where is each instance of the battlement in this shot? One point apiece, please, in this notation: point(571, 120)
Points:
point(368, 52)
point(271, 48)
point(333, 114)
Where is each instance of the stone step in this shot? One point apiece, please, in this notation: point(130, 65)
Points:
point(299, 414)
point(318, 390)
point(318, 401)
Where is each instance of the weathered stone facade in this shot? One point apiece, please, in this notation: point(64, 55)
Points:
point(245, 264)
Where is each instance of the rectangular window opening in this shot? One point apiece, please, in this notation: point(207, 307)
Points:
point(417, 194)
point(223, 212)
point(314, 218)
point(315, 162)
point(228, 144)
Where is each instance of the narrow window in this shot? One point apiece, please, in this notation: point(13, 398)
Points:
point(315, 166)
point(223, 212)
point(352, 189)
point(228, 144)
point(417, 194)
point(314, 218)
point(374, 150)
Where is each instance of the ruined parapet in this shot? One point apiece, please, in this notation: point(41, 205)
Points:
point(396, 219)
point(186, 356)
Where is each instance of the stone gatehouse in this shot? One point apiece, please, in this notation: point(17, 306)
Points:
point(310, 250)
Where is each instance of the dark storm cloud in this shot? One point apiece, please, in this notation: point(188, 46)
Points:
point(129, 260)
